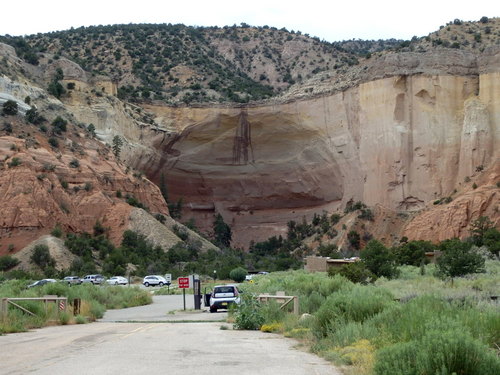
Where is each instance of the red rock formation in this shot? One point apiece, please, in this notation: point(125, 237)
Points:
point(438, 223)
point(41, 187)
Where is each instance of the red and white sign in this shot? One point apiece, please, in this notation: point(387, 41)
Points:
point(183, 282)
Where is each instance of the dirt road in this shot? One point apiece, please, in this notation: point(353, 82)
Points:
point(154, 348)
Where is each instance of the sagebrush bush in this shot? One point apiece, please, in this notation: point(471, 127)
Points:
point(64, 317)
point(354, 305)
point(443, 353)
point(80, 319)
point(310, 304)
point(412, 320)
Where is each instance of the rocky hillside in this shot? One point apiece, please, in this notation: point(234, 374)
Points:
point(180, 64)
point(55, 173)
point(411, 129)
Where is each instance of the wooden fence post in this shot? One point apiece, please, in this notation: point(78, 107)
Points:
point(4, 308)
point(296, 305)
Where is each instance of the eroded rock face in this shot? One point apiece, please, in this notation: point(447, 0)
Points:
point(40, 187)
point(453, 220)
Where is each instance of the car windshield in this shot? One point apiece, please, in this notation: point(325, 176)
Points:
point(224, 289)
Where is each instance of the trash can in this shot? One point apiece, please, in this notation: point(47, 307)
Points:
point(207, 299)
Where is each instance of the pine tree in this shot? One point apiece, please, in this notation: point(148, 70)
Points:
point(117, 145)
point(222, 232)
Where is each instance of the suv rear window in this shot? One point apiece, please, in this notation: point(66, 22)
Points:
point(224, 289)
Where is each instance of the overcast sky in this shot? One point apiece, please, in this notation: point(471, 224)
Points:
point(330, 20)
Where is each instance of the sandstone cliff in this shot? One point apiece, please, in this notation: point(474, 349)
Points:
point(410, 136)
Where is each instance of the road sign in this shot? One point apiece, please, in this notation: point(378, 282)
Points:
point(183, 282)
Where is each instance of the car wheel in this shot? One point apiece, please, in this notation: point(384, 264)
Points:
point(146, 284)
point(161, 283)
point(116, 282)
point(213, 309)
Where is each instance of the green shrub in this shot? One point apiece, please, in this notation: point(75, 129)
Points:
point(238, 274)
point(64, 317)
point(378, 259)
point(33, 117)
point(80, 319)
point(311, 303)
point(41, 256)
point(53, 142)
point(180, 232)
point(161, 218)
point(413, 252)
point(355, 272)
point(7, 262)
point(133, 201)
point(97, 311)
point(354, 305)
point(249, 315)
point(57, 231)
point(354, 239)
point(458, 259)
point(59, 125)
point(9, 108)
point(15, 162)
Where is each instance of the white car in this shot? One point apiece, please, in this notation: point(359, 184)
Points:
point(117, 280)
point(153, 280)
point(223, 296)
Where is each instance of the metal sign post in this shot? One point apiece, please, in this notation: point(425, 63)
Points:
point(168, 278)
point(183, 284)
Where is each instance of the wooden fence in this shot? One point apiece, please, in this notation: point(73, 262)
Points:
point(60, 302)
point(282, 300)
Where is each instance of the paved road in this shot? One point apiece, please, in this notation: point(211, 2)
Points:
point(154, 347)
point(164, 309)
